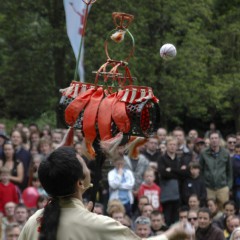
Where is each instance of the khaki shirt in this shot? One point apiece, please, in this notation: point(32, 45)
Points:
point(77, 223)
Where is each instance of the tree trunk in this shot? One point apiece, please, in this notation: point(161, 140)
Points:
point(57, 21)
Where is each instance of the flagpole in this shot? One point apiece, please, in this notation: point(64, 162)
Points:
point(82, 38)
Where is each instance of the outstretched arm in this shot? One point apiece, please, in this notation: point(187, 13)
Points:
point(177, 231)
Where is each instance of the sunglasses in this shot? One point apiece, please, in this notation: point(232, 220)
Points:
point(194, 218)
point(232, 142)
point(142, 221)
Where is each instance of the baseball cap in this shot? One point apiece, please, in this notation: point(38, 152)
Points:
point(4, 136)
point(199, 140)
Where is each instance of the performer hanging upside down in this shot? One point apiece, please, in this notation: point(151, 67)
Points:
point(65, 177)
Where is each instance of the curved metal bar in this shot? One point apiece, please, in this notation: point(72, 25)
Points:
point(122, 20)
point(132, 49)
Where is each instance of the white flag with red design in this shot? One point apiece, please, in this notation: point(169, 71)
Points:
point(75, 10)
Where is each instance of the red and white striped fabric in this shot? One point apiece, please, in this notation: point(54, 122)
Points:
point(137, 94)
point(76, 88)
point(130, 94)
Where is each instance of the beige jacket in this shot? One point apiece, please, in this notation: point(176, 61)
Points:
point(77, 223)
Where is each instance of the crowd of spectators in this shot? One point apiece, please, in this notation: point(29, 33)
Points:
point(175, 176)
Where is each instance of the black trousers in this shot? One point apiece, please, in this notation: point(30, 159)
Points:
point(170, 211)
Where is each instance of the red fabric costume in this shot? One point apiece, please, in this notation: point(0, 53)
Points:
point(8, 193)
point(153, 193)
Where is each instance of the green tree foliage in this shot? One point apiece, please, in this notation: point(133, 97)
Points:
point(227, 39)
point(33, 46)
point(201, 83)
point(26, 69)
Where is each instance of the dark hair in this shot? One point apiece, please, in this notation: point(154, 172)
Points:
point(156, 213)
point(33, 133)
point(148, 204)
point(20, 205)
point(183, 209)
point(237, 145)
point(230, 136)
point(214, 132)
point(3, 154)
point(99, 205)
point(49, 133)
point(230, 202)
point(189, 140)
point(212, 200)
point(194, 165)
point(194, 195)
point(178, 128)
point(33, 125)
point(205, 210)
point(58, 176)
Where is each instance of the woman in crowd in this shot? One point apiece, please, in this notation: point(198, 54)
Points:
point(21, 154)
point(193, 218)
point(193, 202)
point(213, 207)
point(10, 161)
point(117, 212)
point(229, 227)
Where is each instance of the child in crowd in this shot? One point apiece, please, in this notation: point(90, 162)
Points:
point(42, 201)
point(121, 182)
point(150, 189)
point(194, 185)
point(8, 191)
point(36, 183)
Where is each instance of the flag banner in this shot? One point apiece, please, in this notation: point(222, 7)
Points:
point(75, 10)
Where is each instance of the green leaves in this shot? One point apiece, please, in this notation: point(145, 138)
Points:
point(202, 82)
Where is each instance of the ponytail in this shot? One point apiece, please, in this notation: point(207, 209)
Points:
point(50, 220)
point(58, 176)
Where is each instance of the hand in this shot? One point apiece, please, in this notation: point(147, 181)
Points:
point(168, 169)
point(180, 230)
point(89, 206)
point(120, 171)
point(87, 180)
point(183, 167)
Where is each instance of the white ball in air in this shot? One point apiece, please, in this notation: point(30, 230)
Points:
point(168, 51)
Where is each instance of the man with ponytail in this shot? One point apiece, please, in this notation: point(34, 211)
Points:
point(65, 177)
